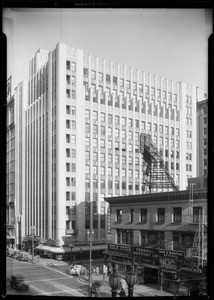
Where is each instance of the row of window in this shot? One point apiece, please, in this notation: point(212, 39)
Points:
point(129, 122)
point(130, 133)
point(142, 216)
point(130, 157)
point(154, 239)
point(117, 184)
point(124, 146)
point(126, 84)
point(169, 112)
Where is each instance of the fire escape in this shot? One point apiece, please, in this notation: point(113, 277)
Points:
point(155, 173)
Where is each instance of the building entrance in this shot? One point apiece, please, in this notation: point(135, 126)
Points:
point(150, 276)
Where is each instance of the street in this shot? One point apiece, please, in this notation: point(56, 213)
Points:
point(50, 277)
point(44, 280)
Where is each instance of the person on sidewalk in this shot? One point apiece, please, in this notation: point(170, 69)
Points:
point(122, 293)
point(105, 271)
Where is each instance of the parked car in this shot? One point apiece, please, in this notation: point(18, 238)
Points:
point(17, 283)
point(22, 257)
point(17, 254)
point(77, 270)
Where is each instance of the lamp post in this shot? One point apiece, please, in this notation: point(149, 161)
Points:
point(32, 237)
point(131, 280)
point(90, 240)
point(114, 281)
point(71, 246)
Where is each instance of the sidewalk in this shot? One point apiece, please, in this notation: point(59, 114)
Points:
point(105, 289)
point(139, 289)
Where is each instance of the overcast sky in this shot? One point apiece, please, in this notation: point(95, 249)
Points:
point(172, 43)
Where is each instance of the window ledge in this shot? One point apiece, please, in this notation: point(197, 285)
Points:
point(142, 222)
point(118, 222)
point(161, 222)
point(179, 222)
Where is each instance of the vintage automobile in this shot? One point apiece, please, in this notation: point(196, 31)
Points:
point(23, 257)
point(17, 283)
point(77, 270)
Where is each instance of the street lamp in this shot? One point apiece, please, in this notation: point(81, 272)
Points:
point(90, 240)
point(32, 239)
point(71, 246)
point(131, 279)
point(114, 281)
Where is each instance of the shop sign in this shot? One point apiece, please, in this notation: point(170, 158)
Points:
point(147, 255)
point(190, 265)
point(172, 254)
point(114, 253)
point(168, 264)
point(122, 248)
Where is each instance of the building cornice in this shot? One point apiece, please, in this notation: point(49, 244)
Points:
point(154, 197)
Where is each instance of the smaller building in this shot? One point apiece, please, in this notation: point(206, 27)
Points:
point(164, 236)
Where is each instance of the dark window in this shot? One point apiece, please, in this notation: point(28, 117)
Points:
point(132, 215)
point(68, 65)
point(177, 214)
point(197, 214)
point(143, 215)
point(119, 215)
point(161, 215)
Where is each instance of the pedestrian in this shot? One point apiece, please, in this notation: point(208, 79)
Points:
point(94, 271)
point(122, 293)
point(105, 270)
point(97, 270)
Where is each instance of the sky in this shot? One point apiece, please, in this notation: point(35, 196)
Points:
point(172, 43)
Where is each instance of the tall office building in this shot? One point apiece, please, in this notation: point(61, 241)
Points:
point(83, 121)
point(202, 137)
point(15, 165)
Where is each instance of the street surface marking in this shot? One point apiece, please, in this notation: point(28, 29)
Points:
point(45, 279)
point(69, 276)
point(70, 291)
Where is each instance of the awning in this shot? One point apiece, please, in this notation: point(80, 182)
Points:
point(67, 249)
point(79, 248)
point(58, 250)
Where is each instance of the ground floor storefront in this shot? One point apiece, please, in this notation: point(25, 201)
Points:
point(162, 269)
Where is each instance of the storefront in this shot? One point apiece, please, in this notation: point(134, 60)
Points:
point(119, 254)
point(193, 277)
point(156, 267)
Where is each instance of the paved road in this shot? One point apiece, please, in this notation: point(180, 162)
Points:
point(50, 277)
point(45, 280)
